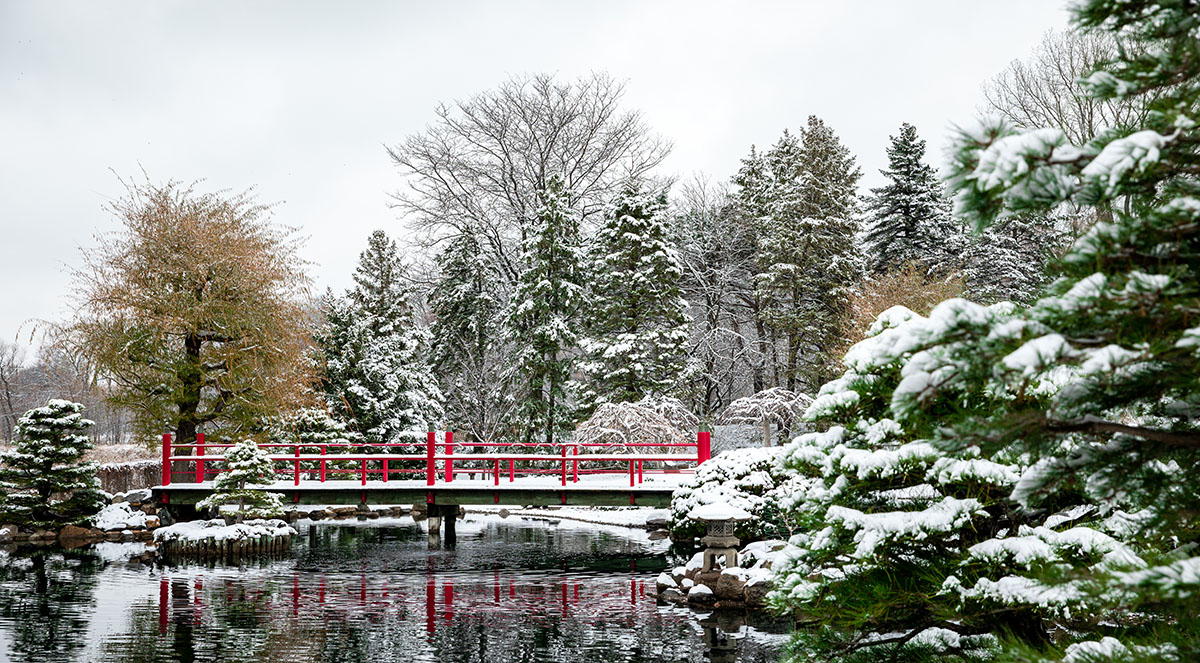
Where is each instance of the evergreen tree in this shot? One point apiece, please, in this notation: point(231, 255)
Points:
point(909, 216)
point(375, 373)
point(1010, 259)
point(544, 317)
point(467, 348)
point(46, 482)
point(1069, 427)
point(246, 465)
point(638, 327)
point(807, 253)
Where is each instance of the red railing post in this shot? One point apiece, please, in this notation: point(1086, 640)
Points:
point(199, 452)
point(385, 470)
point(449, 451)
point(564, 462)
point(166, 459)
point(296, 479)
point(704, 446)
point(512, 470)
point(362, 467)
point(430, 469)
point(575, 464)
point(631, 474)
point(497, 469)
point(323, 448)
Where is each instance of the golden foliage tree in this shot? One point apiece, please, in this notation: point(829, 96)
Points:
point(194, 310)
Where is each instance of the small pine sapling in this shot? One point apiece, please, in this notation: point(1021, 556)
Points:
point(246, 465)
point(45, 480)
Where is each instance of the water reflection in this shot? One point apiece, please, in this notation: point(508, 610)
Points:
point(510, 591)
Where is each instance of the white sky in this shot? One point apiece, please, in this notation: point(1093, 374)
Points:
point(299, 98)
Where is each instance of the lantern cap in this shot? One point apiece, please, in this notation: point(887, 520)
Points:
point(717, 512)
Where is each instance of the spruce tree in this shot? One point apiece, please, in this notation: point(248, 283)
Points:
point(909, 216)
point(376, 376)
point(466, 343)
point(45, 480)
point(246, 465)
point(638, 325)
point(807, 254)
point(1010, 260)
point(543, 317)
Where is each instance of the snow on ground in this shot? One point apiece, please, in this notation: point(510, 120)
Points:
point(633, 516)
point(217, 530)
point(119, 517)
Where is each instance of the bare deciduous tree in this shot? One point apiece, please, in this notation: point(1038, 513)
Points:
point(1042, 91)
point(481, 164)
point(12, 358)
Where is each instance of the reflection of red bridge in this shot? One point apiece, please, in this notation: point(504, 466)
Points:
point(540, 473)
point(369, 596)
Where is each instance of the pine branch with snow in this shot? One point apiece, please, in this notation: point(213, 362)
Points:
point(44, 478)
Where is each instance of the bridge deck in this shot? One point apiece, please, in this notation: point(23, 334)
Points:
point(599, 490)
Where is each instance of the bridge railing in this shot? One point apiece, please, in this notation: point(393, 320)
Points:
point(498, 459)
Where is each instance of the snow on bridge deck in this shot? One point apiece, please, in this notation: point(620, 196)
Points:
point(589, 490)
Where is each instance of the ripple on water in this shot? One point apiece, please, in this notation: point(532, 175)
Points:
point(512, 590)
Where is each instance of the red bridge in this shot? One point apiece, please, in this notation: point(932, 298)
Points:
point(643, 473)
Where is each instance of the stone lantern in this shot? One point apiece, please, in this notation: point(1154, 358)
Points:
point(721, 519)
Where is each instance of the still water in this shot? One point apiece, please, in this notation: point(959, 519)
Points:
point(511, 590)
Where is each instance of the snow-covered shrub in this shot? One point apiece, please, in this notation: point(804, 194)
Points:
point(44, 479)
point(648, 420)
point(897, 525)
point(246, 465)
point(751, 479)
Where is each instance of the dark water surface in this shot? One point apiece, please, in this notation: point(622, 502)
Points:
point(512, 590)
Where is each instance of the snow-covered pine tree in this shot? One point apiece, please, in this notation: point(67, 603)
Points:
point(1010, 259)
point(638, 325)
point(909, 216)
point(544, 316)
point(1101, 378)
point(808, 256)
point(45, 481)
point(246, 465)
point(376, 375)
point(467, 348)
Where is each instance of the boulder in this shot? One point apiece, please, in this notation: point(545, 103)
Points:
point(73, 536)
point(345, 511)
point(318, 514)
point(729, 587)
point(112, 536)
point(504, 513)
point(755, 594)
point(153, 522)
point(117, 499)
point(141, 495)
point(701, 595)
point(6, 534)
point(672, 595)
point(659, 534)
point(658, 523)
point(149, 509)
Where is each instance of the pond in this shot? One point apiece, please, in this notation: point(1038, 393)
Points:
point(511, 590)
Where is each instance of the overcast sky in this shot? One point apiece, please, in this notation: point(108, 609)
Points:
point(298, 99)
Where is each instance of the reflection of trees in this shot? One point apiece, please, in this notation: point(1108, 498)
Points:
point(47, 598)
point(361, 595)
